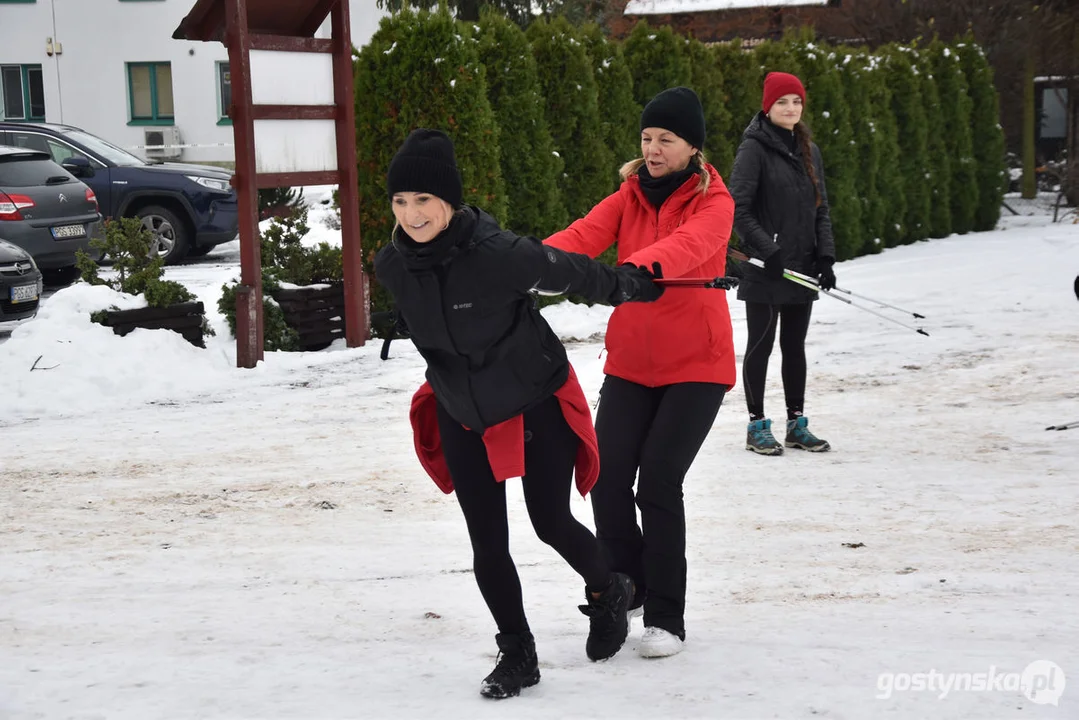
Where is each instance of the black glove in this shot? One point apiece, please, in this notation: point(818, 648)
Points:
point(826, 277)
point(773, 266)
point(635, 284)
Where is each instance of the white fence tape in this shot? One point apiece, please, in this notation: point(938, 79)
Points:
point(185, 145)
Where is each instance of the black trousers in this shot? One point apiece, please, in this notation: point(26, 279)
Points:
point(550, 456)
point(651, 436)
point(761, 321)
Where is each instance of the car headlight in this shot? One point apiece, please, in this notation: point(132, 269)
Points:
point(211, 183)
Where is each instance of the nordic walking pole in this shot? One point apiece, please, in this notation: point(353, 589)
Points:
point(1065, 426)
point(744, 258)
point(810, 283)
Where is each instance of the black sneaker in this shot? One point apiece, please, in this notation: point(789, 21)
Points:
point(608, 622)
point(517, 667)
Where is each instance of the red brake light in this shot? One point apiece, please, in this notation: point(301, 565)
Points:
point(92, 198)
point(11, 204)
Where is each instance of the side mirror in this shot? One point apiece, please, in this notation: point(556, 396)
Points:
point(79, 167)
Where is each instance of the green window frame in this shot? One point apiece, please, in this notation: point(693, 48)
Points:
point(223, 80)
point(25, 85)
point(149, 93)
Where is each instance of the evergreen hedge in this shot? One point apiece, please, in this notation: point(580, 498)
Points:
point(938, 172)
point(619, 112)
point(956, 107)
point(986, 133)
point(530, 165)
point(909, 112)
point(542, 120)
point(707, 81)
point(657, 61)
point(419, 70)
point(829, 117)
point(573, 115)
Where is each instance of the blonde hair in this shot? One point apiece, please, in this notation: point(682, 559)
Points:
point(631, 168)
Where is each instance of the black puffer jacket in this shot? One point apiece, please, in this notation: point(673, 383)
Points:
point(468, 298)
point(775, 210)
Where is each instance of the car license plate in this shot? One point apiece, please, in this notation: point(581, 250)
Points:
point(23, 293)
point(63, 232)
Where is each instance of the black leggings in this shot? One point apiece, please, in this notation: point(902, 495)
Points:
point(761, 320)
point(550, 456)
point(657, 433)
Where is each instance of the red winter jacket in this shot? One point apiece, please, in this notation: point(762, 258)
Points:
point(686, 335)
point(506, 441)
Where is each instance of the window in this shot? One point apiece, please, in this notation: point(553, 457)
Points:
point(224, 93)
point(1054, 113)
point(149, 87)
point(23, 91)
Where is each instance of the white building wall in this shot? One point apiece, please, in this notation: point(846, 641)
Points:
point(86, 85)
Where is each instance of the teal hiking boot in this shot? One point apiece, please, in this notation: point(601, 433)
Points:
point(760, 440)
point(798, 436)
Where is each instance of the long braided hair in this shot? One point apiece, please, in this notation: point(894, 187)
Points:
point(804, 137)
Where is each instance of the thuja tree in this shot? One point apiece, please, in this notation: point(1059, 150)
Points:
point(707, 80)
point(956, 107)
point(657, 60)
point(420, 71)
point(741, 92)
point(986, 133)
point(907, 107)
point(938, 173)
point(572, 105)
point(530, 166)
point(858, 81)
point(619, 112)
point(888, 205)
point(829, 117)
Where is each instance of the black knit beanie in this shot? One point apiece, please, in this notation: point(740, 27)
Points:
point(426, 163)
point(679, 110)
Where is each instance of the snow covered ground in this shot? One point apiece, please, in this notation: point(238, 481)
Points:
point(183, 539)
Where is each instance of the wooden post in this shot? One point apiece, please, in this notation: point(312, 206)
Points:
point(248, 302)
point(357, 325)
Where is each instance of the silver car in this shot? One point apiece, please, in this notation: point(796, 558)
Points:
point(44, 209)
point(20, 286)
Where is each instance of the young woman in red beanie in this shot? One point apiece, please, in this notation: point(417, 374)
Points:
point(781, 216)
point(501, 399)
point(669, 363)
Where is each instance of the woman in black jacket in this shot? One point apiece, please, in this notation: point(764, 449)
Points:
point(781, 216)
point(504, 401)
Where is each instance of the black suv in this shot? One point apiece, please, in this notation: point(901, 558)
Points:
point(189, 208)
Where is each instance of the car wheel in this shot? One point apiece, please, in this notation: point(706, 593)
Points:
point(170, 233)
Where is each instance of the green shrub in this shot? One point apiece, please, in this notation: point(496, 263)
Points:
point(956, 107)
point(909, 111)
point(285, 261)
point(530, 167)
point(707, 82)
point(421, 69)
point(938, 172)
point(572, 105)
point(987, 135)
point(657, 60)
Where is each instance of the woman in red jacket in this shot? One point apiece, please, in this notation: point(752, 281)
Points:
point(669, 363)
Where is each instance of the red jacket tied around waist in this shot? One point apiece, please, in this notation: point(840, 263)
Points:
point(505, 442)
point(686, 335)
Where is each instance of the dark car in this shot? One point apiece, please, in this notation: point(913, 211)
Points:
point(44, 209)
point(190, 208)
point(20, 285)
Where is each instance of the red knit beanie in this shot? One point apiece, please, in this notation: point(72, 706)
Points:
point(778, 84)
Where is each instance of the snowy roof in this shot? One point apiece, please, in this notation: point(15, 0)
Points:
point(665, 7)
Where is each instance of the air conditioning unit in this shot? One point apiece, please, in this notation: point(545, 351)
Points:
point(163, 142)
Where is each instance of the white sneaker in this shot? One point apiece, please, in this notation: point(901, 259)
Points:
point(657, 642)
